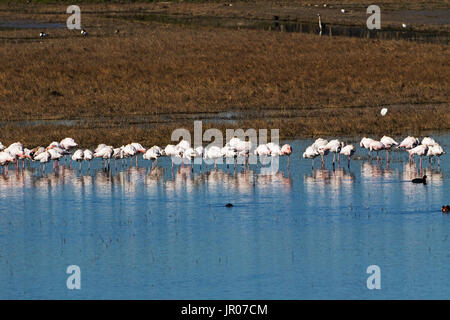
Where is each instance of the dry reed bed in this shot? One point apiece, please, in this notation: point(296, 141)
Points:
point(154, 69)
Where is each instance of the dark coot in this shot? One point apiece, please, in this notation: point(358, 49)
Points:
point(228, 205)
point(420, 180)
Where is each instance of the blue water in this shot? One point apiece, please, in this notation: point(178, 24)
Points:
point(140, 233)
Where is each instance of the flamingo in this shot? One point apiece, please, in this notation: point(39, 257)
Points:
point(68, 143)
point(420, 150)
point(335, 147)
point(78, 156)
point(153, 153)
point(409, 143)
point(43, 158)
point(229, 152)
point(286, 150)
point(105, 153)
point(311, 153)
point(377, 146)
point(88, 155)
point(139, 148)
point(427, 141)
point(349, 151)
point(388, 144)
point(213, 153)
point(172, 151)
point(435, 151)
point(5, 159)
point(365, 142)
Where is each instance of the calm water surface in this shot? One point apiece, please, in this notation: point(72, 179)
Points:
point(142, 233)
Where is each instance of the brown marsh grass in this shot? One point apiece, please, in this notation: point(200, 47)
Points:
point(317, 86)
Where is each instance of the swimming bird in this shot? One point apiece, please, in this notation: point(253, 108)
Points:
point(446, 209)
point(420, 180)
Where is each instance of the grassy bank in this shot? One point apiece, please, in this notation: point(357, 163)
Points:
point(312, 85)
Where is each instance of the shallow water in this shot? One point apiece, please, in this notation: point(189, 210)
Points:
point(146, 233)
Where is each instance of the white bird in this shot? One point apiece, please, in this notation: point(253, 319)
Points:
point(404, 25)
point(68, 143)
point(6, 159)
point(84, 33)
point(153, 153)
point(78, 156)
point(365, 142)
point(88, 155)
point(409, 143)
point(384, 111)
point(213, 153)
point(343, 10)
point(349, 151)
point(99, 147)
point(420, 150)
point(377, 146)
point(310, 153)
point(435, 151)
point(105, 153)
point(388, 144)
point(286, 150)
point(275, 149)
point(183, 145)
point(262, 150)
point(43, 34)
point(43, 158)
point(335, 147)
point(427, 141)
point(172, 151)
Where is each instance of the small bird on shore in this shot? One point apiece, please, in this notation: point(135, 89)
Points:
point(84, 33)
point(404, 25)
point(446, 209)
point(420, 180)
point(43, 35)
point(343, 10)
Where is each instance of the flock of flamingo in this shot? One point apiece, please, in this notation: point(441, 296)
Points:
point(232, 150)
point(183, 150)
point(427, 147)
